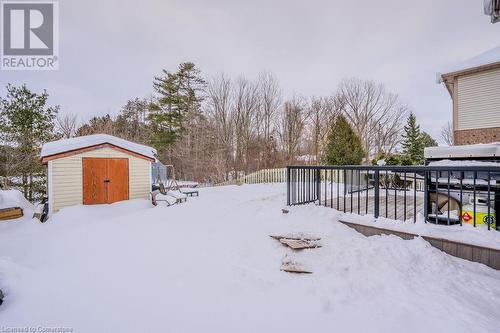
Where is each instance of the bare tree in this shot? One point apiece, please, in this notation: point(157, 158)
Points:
point(219, 107)
point(265, 121)
point(447, 134)
point(322, 111)
point(246, 103)
point(388, 131)
point(270, 100)
point(376, 115)
point(292, 120)
point(67, 125)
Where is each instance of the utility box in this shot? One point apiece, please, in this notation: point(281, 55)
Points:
point(465, 184)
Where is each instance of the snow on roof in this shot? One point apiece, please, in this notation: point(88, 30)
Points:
point(64, 145)
point(446, 162)
point(466, 151)
point(489, 57)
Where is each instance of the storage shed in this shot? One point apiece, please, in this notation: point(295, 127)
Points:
point(96, 169)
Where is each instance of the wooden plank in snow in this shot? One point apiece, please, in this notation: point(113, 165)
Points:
point(307, 238)
point(299, 244)
point(10, 213)
point(295, 268)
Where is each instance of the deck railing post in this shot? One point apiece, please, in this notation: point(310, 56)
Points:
point(427, 176)
point(376, 186)
point(288, 186)
point(318, 185)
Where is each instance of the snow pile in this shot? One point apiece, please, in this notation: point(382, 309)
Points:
point(467, 233)
point(14, 198)
point(210, 265)
point(64, 145)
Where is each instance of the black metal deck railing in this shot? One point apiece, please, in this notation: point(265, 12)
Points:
point(440, 194)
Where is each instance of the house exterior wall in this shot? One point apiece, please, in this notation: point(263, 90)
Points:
point(66, 177)
point(473, 136)
point(477, 98)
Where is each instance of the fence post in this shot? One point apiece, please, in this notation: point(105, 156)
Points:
point(376, 186)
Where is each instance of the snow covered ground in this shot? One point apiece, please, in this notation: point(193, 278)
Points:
point(465, 233)
point(209, 265)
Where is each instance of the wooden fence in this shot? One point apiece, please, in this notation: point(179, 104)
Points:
point(263, 176)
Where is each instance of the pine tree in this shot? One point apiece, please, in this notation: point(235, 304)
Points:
point(343, 145)
point(25, 124)
point(428, 140)
point(179, 97)
point(413, 141)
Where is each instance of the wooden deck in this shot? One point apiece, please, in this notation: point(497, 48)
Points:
point(392, 207)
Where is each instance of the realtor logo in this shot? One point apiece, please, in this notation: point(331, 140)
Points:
point(29, 32)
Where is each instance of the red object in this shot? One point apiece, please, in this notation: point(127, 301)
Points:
point(466, 217)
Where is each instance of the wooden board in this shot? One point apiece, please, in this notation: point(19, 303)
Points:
point(10, 213)
point(299, 244)
point(295, 268)
point(309, 238)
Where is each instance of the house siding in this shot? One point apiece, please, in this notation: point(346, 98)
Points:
point(67, 177)
point(478, 100)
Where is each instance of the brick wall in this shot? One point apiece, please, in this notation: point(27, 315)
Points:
point(480, 135)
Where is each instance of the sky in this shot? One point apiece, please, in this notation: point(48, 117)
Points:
point(111, 50)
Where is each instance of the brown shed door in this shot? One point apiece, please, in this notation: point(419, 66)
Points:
point(94, 177)
point(105, 180)
point(118, 179)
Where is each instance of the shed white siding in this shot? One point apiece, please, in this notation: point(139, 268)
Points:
point(479, 100)
point(66, 177)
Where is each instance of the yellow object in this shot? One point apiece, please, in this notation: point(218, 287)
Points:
point(481, 215)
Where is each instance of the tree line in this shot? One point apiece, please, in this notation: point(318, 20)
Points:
point(217, 128)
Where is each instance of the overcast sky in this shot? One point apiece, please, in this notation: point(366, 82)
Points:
point(110, 50)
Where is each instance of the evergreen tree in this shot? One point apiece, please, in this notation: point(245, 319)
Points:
point(97, 125)
point(428, 140)
point(179, 98)
point(343, 146)
point(130, 124)
point(25, 124)
point(413, 141)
